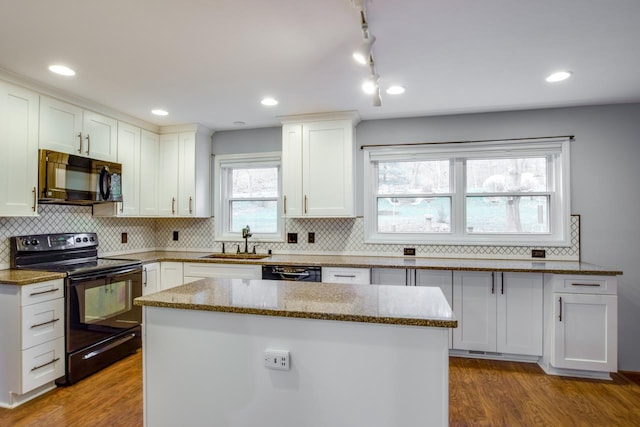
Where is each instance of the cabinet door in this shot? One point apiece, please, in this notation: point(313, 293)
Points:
point(474, 303)
point(292, 170)
point(170, 275)
point(327, 165)
point(520, 314)
point(442, 279)
point(129, 157)
point(389, 276)
point(186, 173)
point(19, 147)
point(198, 270)
point(61, 126)
point(168, 175)
point(585, 332)
point(150, 278)
point(100, 135)
point(149, 161)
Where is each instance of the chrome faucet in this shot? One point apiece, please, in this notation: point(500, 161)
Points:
point(246, 233)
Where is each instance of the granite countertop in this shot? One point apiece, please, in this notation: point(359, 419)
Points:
point(556, 267)
point(397, 305)
point(27, 277)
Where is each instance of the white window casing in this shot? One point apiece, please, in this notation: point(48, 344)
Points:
point(554, 150)
point(224, 165)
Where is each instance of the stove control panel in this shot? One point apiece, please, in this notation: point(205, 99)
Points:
point(60, 241)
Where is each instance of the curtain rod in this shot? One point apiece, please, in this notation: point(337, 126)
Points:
point(571, 138)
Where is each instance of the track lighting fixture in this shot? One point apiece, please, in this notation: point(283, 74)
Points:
point(363, 53)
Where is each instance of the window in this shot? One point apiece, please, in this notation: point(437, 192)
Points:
point(248, 193)
point(507, 192)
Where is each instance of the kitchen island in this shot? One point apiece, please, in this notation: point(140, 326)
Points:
point(358, 355)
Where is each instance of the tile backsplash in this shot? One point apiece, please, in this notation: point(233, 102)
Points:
point(332, 236)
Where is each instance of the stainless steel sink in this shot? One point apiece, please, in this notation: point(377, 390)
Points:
point(235, 256)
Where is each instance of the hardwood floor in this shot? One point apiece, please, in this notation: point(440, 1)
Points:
point(482, 393)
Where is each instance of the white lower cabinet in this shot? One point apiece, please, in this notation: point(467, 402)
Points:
point(197, 270)
point(582, 324)
point(171, 274)
point(498, 312)
point(150, 278)
point(417, 277)
point(32, 353)
point(356, 276)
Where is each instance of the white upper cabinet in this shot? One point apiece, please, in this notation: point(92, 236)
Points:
point(318, 169)
point(168, 175)
point(185, 174)
point(70, 129)
point(19, 147)
point(129, 157)
point(149, 167)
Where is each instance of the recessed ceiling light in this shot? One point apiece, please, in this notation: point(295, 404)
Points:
point(62, 70)
point(559, 76)
point(269, 102)
point(395, 90)
point(159, 112)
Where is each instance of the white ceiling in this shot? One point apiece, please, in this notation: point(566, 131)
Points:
point(211, 61)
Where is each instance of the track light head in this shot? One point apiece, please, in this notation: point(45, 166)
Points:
point(377, 100)
point(362, 54)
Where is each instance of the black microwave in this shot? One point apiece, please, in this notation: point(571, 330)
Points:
point(69, 179)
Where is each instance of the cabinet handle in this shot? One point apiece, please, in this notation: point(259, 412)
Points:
point(305, 203)
point(173, 205)
point(121, 207)
point(88, 138)
point(35, 199)
point(560, 316)
point(285, 205)
point(493, 283)
point(37, 325)
point(350, 276)
point(502, 283)
point(190, 205)
point(45, 364)
point(33, 294)
point(595, 285)
point(80, 136)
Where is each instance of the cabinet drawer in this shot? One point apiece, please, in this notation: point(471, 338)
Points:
point(231, 271)
point(357, 276)
point(43, 291)
point(42, 364)
point(42, 322)
point(585, 284)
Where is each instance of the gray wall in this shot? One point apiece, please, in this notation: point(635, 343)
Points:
point(604, 176)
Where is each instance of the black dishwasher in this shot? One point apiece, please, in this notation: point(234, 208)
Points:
point(295, 273)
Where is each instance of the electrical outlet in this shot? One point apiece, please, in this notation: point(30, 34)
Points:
point(292, 237)
point(409, 251)
point(277, 359)
point(175, 235)
point(124, 238)
point(312, 237)
point(538, 253)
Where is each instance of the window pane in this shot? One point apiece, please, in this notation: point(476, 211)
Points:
point(414, 215)
point(254, 183)
point(513, 214)
point(413, 177)
point(506, 175)
point(260, 215)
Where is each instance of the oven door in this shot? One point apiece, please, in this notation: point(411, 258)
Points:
point(100, 306)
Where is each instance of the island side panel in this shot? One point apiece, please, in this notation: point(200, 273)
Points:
point(206, 368)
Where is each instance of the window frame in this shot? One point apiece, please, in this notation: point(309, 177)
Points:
point(558, 173)
point(223, 164)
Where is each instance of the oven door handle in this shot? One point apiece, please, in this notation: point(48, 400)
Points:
point(109, 346)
